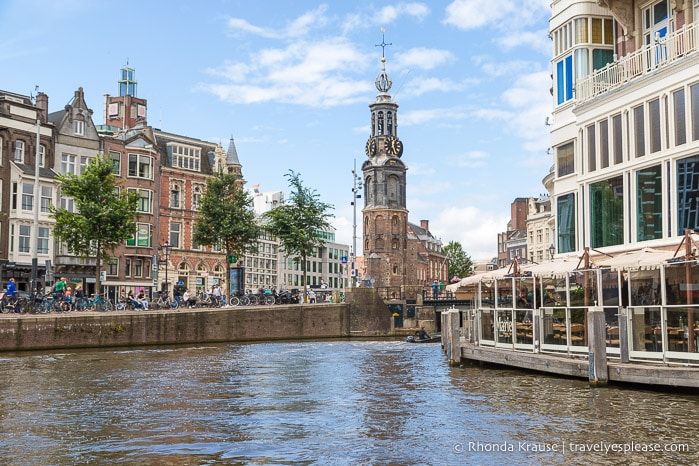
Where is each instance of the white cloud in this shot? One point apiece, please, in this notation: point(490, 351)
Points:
point(296, 27)
point(390, 13)
point(474, 228)
point(303, 73)
point(503, 14)
point(424, 58)
point(419, 117)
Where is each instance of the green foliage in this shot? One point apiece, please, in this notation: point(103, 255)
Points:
point(226, 217)
point(105, 216)
point(299, 223)
point(460, 263)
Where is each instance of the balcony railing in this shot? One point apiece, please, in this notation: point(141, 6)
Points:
point(646, 60)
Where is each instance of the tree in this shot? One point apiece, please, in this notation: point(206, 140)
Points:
point(226, 218)
point(300, 223)
point(460, 264)
point(105, 216)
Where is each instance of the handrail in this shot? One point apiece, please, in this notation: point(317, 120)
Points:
point(647, 59)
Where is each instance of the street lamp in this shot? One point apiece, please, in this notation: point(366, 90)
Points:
point(552, 251)
point(165, 250)
point(357, 187)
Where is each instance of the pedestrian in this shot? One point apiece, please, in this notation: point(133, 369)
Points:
point(60, 288)
point(11, 290)
point(435, 289)
point(176, 294)
point(189, 299)
point(141, 298)
point(311, 296)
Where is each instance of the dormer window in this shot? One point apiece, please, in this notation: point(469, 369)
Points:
point(79, 127)
point(19, 151)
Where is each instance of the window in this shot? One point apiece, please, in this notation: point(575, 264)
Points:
point(607, 212)
point(140, 166)
point(46, 198)
point(68, 164)
point(27, 196)
point(649, 203)
point(143, 237)
point(639, 133)
point(43, 241)
point(68, 203)
point(591, 149)
point(127, 267)
point(113, 267)
point(42, 155)
point(694, 103)
point(2, 143)
point(654, 120)
point(564, 159)
point(145, 201)
point(617, 139)
point(175, 235)
point(84, 161)
point(687, 194)
point(186, 157)
point(566, 222)
point(19, 151)
point(25, 233)
point(175, 197)
point(604, 143)
point(115, 157)
point(196, 197)
point(80, 127)
point(564, 79)
point(680, 117)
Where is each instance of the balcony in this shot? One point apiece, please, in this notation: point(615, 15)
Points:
point(650, 58)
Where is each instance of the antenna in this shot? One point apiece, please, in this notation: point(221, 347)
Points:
point(401, 84)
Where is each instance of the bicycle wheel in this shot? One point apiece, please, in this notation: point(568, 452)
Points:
point(234, 301)
point(269, 300)
point(254, 300)
point(244, 301)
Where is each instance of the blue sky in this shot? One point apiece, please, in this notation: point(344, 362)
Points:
point(291, 81)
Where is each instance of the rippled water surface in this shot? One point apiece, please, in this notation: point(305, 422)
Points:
point(331, 402)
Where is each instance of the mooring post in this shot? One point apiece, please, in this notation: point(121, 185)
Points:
point(597, 346)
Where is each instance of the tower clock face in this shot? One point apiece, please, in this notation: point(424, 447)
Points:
point(393, 145)
point(370, 147)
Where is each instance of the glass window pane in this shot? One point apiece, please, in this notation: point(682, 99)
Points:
point(679, 120)
point(649, 204)
point(566, 222)
point(607, 212)
point(687, 194)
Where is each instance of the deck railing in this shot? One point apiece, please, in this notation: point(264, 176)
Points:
point(646, 60)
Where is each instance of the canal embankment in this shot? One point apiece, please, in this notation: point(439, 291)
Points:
point(361, 316)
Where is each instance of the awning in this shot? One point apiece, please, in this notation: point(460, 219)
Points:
point(646, 258)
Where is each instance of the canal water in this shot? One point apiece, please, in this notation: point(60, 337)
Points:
point(329, 402)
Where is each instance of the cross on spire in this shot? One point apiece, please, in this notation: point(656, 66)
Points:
point(383, 44)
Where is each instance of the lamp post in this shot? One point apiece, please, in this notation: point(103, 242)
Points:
point(357, 186)
point(552, 251)
point(165, 249)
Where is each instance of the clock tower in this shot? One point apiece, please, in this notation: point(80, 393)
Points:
point(385, 216)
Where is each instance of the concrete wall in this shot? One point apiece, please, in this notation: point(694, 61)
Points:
point(368, 313)
point(77, 330)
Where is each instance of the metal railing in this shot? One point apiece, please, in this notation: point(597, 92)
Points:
point(647, 59)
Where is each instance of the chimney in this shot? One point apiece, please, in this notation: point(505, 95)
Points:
point(425, 224)
point(42, 103)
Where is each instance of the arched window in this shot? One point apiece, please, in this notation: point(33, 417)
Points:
point(380, 127)
point(389, 123)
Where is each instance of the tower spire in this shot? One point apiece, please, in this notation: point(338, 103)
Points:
point(383, 82)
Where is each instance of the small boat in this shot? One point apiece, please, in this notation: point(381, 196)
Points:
point(435, 337)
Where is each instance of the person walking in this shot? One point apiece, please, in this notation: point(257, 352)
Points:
point(435, 289)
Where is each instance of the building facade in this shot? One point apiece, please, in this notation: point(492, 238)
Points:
point(27, 189)
point(625, 131)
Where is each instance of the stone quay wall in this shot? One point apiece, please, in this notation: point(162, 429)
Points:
point(122, 329)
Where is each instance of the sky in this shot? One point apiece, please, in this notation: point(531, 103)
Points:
point(291, 82)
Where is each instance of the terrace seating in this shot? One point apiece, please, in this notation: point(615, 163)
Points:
point(613, 336)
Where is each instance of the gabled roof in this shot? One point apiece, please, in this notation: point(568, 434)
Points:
point(29, 170)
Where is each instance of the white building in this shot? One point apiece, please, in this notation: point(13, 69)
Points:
point(625, 123)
